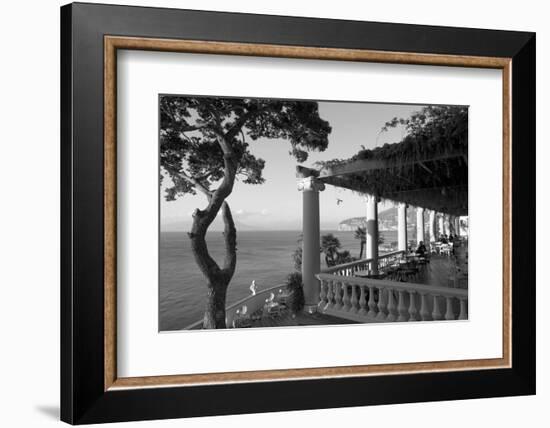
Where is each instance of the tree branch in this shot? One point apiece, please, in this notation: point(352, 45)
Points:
point(195, 182)
point(239, 123)
point(230, 236)
point(190, 128)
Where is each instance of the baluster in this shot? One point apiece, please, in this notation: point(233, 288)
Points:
point(337, 296)
point(372, 304)
point(402, 308)
point(381, 305)
point(463, 309)
point(449, 314)
point(392, 316)
point(330, 295)
point(436, 313)
point(354, 299)
point(424, 311)
point(413, 312)
point(362, 301)
point(323, 295)
point(346, 299)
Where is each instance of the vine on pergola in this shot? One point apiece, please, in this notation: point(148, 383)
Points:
point(429, 166)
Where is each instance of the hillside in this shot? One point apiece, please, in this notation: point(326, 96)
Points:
point(387, 220)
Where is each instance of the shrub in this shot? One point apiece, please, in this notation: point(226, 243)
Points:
point(297, 258)
point(296, 292)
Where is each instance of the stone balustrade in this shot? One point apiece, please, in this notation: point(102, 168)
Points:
point(371, 300)
point(349, 269)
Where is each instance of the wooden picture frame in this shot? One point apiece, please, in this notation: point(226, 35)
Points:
point(91, 390)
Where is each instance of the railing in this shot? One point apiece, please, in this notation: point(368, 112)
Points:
point(349, 269)
point(363, 300)
point(388, 259)
point(247, 305)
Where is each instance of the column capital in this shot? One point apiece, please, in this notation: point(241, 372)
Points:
point(371, 198)
point(402, 205)
point(310, 184)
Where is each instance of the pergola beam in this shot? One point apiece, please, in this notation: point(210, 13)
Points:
point(364, 165)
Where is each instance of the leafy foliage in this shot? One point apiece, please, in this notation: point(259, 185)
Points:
point(194, 131)
point(433, 130)
point(295, 286)
point(297, 254)
point(343, 257)
point(331, 248)
point(330, 245)
point(361, 235)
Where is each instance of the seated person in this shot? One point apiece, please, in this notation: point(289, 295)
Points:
point(443, 239)
point(421, 249)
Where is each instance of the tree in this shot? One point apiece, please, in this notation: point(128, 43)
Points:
point(204, 147)
point(330, 245)
point(343, 256)
point(443, 124)
point(361, 235)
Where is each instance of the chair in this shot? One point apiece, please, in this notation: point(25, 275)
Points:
point(446, 249)
point(271, 307)
point(242, 319)
point(274, 310)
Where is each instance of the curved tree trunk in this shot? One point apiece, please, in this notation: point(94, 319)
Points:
point(214, 312)
point(362, 249)
point(217, 279)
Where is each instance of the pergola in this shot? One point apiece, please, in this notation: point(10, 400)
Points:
point(431, 176)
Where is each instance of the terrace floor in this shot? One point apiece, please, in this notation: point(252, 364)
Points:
point(440, 272)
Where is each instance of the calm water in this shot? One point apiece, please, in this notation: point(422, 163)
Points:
point(263, 256)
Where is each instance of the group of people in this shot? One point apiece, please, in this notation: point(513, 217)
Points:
point(444, 239)
point(421, 250)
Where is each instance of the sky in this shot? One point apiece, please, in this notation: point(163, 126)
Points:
point(277, 204)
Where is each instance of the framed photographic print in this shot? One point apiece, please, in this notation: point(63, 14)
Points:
point(272, 213)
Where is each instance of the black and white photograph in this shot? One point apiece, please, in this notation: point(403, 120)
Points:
point(289, 213)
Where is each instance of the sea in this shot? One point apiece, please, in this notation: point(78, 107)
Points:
point(262, 256)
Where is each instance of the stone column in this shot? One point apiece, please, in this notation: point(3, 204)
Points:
point(372, 231)
point(441, 225)
point(447, 224)
point(432, 227)
point(402, 226)
point(457, 225)
point(450, 224)
point(419, 225)
point(311, 255)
